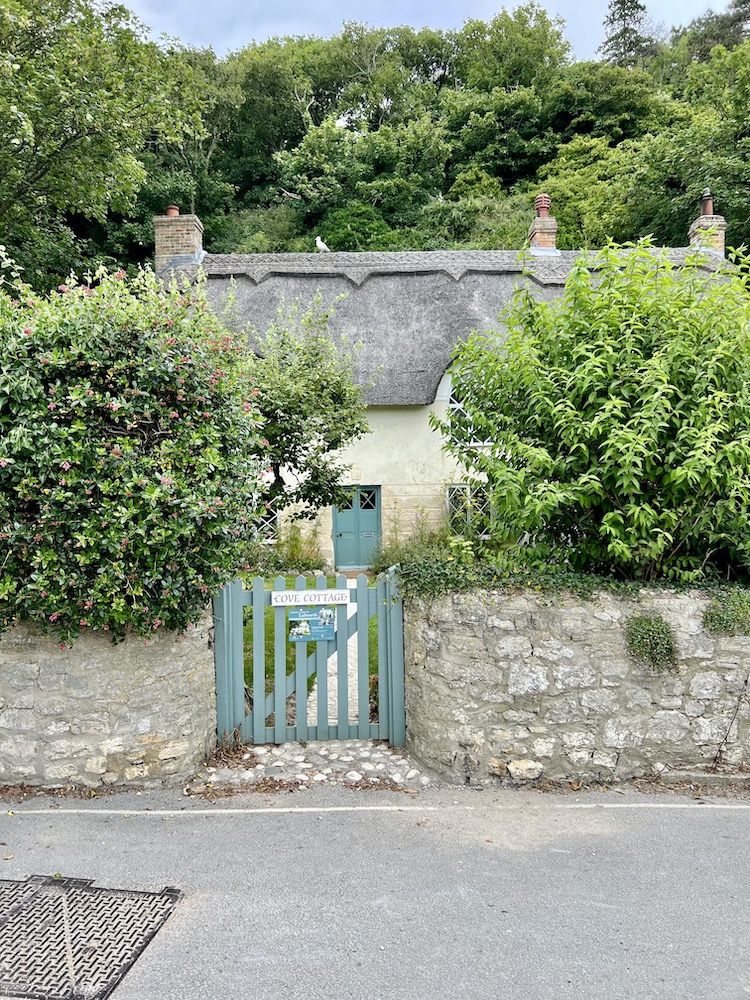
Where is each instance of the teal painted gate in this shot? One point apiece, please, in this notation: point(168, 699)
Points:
point(273, 690)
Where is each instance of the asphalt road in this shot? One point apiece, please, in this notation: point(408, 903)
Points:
point(450, 894)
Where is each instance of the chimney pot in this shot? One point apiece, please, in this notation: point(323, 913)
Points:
point(543, 228)
point(172, 210)
point(708, 229)
point(542, 205)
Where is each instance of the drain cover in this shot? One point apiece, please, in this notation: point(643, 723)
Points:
point(64, 939)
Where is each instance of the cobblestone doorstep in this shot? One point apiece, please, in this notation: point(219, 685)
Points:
point(353, 763)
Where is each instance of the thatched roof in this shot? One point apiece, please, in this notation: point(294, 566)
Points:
point(407, 310)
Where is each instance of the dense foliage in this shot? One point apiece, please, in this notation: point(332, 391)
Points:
point(380, 139)
point(612, 427)
point(126, 476)
point(81, 94)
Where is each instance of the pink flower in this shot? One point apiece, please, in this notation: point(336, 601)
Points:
point(119, 275)
point(3, 462)
point(114, 405)
point(26, 331)
point(52, 406)
point(174, 414)
point(54, 617)
point(166, 480)
point(63, 288)
point(65, 465)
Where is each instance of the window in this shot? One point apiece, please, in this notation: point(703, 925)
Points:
point(367, 500)
point(469, 509)
point(267, 526)
point(455, 404)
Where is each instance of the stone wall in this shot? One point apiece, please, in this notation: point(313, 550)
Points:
point(139, 713)
point(525, 686)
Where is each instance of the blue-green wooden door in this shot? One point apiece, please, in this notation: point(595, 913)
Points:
point(356, 528)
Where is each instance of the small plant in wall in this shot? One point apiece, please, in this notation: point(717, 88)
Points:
point(729, 613)
point(650, 640)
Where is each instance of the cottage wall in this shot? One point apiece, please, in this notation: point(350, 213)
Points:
point(403, 456)
point(139, 713)
point(526, 686)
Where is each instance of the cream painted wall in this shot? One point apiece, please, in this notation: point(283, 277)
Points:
point(403, 456)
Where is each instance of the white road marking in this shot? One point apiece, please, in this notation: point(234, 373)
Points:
point(219, 812)
point(278, 810)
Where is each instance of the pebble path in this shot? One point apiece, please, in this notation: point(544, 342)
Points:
point(355, 763)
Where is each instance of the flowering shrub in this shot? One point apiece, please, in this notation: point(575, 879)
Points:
point(125, 433)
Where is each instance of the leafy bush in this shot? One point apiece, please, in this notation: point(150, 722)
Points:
point(612, 427)
point(651, 640)
point(435, 562)
point(125, 483)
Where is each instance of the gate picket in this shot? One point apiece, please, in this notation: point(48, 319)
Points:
point(351, 621)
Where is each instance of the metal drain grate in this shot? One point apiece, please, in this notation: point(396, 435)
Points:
point(64, 939)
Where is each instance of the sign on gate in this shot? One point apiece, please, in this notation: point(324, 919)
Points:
point(311, 625)
point(302, 598)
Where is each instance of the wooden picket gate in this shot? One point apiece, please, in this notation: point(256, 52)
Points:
point(350, 686)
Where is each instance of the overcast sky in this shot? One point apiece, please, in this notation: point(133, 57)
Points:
point(232, 24)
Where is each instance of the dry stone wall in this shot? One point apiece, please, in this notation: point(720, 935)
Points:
point(526, 686)
point(140, 713)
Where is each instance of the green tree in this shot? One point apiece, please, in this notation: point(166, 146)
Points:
point(311, 409)
point(596, 193)
point(394, 169)
point(612, 427)
point(127, 482)
point(602, 100)
point(728, 28)
point(627, 42)
point(81, 92)
point(519, 48)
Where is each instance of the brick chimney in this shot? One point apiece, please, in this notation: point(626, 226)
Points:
point(543, 229)
point(708, 229)
point(179, 239)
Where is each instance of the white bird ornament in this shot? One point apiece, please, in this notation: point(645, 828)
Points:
point(322, 248)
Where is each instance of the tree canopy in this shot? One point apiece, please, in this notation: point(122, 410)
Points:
point(310, 406)
point(81, 95)
point(379, 138)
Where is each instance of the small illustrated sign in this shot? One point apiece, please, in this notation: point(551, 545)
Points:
point(311, 624)
point(306, 598)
